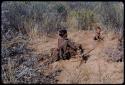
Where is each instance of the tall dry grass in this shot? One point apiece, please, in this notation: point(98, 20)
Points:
point(29, 30)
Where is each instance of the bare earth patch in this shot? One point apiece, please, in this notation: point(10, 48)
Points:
point(96, 70)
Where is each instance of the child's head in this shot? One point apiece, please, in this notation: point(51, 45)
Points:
point(63, 33)
point(98, 29)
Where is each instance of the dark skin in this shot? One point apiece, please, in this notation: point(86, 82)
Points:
point(98, 30)
point(98, 34)
point(60, 40)
point(66, 48)
point(63, 41)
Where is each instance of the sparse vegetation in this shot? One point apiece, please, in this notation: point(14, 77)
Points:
point(29, 31)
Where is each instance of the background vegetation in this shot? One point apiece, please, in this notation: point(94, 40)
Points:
point(47, 17)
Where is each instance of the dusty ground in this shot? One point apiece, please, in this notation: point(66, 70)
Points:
point(96, 70)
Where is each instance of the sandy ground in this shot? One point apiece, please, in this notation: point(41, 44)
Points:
point(96, 70)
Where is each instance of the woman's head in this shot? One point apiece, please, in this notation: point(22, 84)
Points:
point(63, 33)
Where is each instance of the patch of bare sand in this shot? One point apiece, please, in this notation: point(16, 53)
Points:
point(96, 70)
point(41, 45)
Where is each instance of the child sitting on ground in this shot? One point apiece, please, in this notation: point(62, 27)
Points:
point(98, 34)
